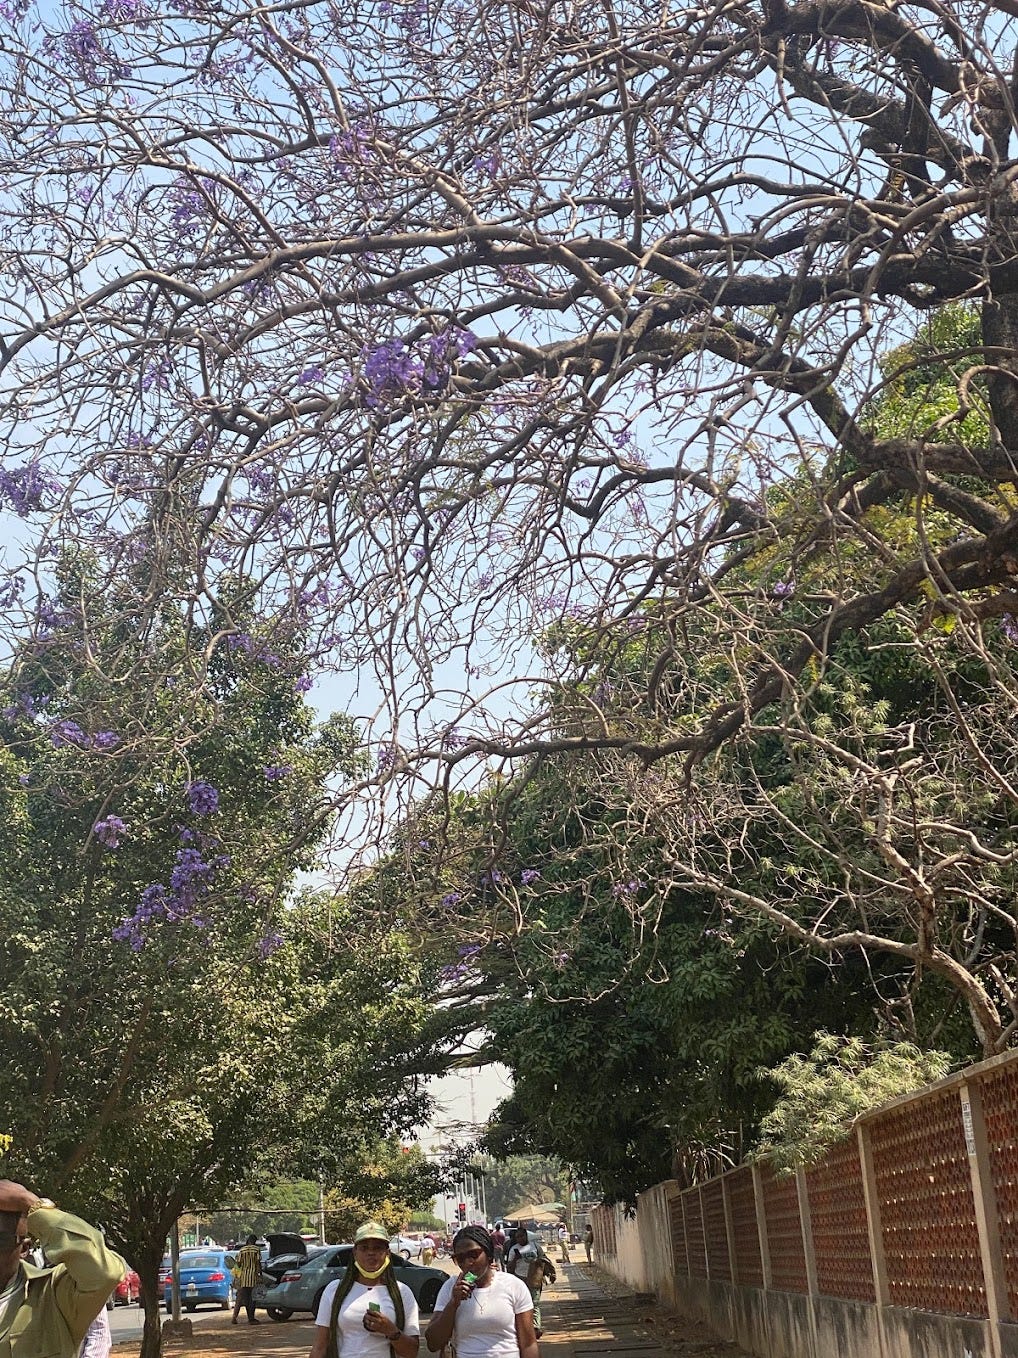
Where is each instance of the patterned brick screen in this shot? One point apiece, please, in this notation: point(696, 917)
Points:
point(678, 1237)
point(1000, 1111)
point(716, 1232)
point(694, 1233)
point(837, 1212)
point(927, 1213)
point(746, 1236)
point(784, 1233)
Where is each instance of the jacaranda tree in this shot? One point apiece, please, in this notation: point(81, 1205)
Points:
point(446, 328)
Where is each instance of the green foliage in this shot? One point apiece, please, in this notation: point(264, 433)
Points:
point(245, 1029)
point(823, 1092)
point(294, 1208)
point(523, 1180)
point(920, 391)
point(391, 1183)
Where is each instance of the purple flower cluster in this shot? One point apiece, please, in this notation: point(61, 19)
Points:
point(529, 876)
point(12, 591)
point(110, 831)
point(270, 943)
point(13, 10)
point(450, 899)
point(350, 150)
point(124, 11)
point(23, 706)
point(157, 374)
point(189, 210)
point(243, 641)
point(275, 773)
point(784, 589)
point(202, 797)
point(26, 490)
point(628, 887)
point(1009, 626)
point(392, 370)
point(190, 882)
point(458, 971)
point(68, 733)
point(81, 51)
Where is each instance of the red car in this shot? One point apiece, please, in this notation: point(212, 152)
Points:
point(128, 1290)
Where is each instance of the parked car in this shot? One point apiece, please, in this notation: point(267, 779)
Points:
point(128, 1290)
point(409, 1246)
point(301, 1288)
point(205, 1277)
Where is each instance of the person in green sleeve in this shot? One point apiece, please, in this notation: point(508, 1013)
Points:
point(46, 1311)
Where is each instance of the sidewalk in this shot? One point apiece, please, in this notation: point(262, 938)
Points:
point(586, 1314)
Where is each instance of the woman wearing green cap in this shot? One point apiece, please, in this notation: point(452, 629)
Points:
point(367, 1313)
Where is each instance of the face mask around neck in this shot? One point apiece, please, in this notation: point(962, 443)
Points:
point(367, 1273)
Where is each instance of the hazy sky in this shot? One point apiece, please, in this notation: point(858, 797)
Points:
point(464, 1097)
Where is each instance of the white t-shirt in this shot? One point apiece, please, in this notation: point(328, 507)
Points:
point(353, 1339)
point(486, 1322)
point(518, 1258)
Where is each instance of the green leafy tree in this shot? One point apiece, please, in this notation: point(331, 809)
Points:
point(175, 1020)
point(824, 1091)
point(388, 1182)
point(522, 1180)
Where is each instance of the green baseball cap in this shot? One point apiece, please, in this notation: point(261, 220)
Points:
point(371, 1230)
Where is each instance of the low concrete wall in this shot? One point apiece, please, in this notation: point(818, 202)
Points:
point(774, 1324)
point(643, 1243)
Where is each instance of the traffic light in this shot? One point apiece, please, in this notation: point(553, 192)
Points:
point(461, 1212)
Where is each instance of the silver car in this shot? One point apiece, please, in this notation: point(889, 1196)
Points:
point(301, 1287)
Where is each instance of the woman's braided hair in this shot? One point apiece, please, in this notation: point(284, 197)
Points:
point(343, 1291)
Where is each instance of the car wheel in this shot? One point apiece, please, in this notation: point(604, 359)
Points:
point(278, 1313)
point(405, 1254)
point(429, 1295)
point(190, 1306)
point(169, 1308)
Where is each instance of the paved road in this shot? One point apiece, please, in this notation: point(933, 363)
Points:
point(126, 1322)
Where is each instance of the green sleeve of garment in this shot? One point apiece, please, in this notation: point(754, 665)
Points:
point(86, 1271)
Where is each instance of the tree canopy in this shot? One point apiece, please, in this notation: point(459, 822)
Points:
point(438, 324)
point(526, 365)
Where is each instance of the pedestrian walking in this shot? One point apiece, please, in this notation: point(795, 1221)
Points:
point(247, 1269)
point(367, 1313)
point(526, 1260)
point(48, 1310)
point(563, 1242)
point(588, 1240)
point(484, 1312)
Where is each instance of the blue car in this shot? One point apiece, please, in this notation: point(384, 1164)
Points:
point(205, 1277)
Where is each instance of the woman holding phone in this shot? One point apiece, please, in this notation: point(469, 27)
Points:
point(484, 1312)
point(367, 1313)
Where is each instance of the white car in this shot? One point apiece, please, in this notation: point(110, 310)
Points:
point(409, 1247)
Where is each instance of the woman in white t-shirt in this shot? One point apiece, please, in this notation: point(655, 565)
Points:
point(486, 1313)
point(367, 1313)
